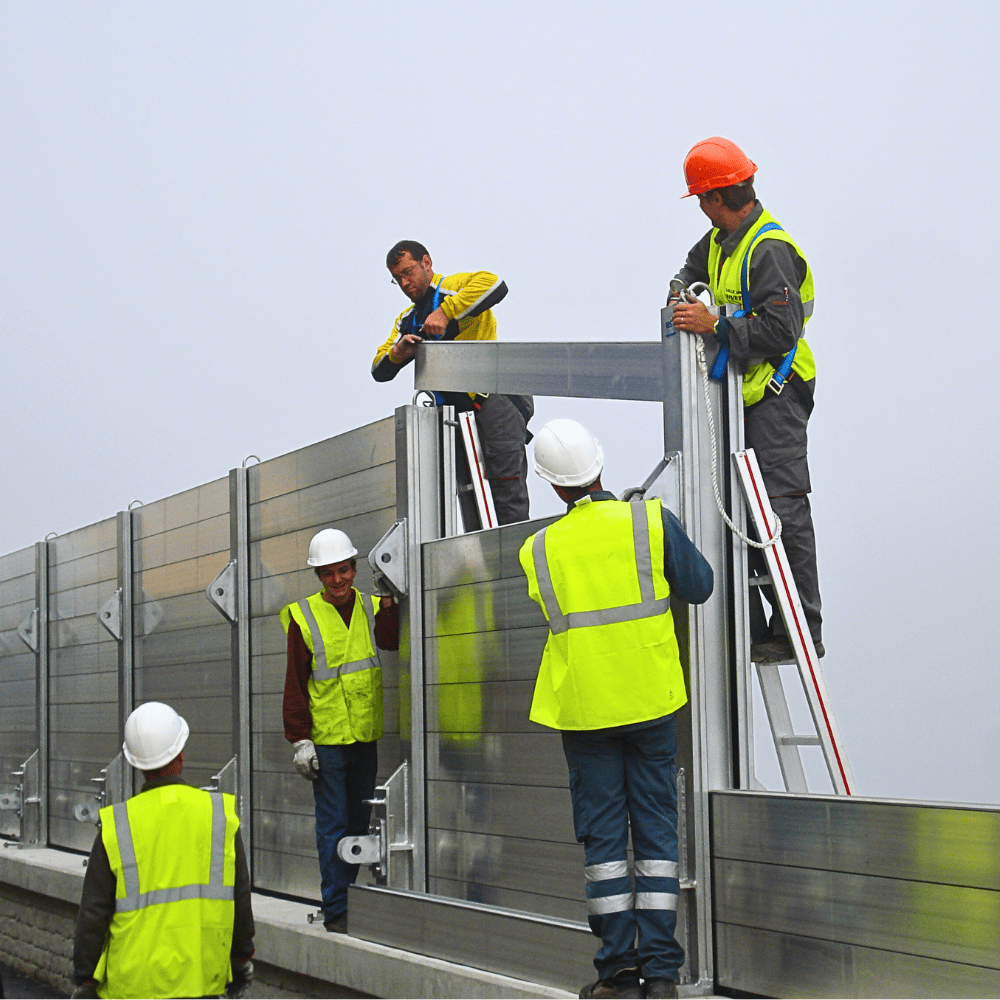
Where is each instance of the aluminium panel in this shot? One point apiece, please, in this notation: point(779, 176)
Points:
point(505, 758)
point(763, 962)
point(82, 716)
point(542, 866)
point(323, 504)
point(347, 482)
point(932, 842)
point(511, 943)
point(524, 811)
point(18, 732)
point(278, 871)
point(574, 910)
point(946, 922)
point(357, 449)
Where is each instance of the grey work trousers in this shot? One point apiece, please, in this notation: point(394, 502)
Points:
point(776, 430)
point(503, 434)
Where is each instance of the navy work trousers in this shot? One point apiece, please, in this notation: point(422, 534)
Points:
point(346, 778)
point(617, 778)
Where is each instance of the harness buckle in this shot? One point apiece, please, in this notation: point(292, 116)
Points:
point(776, 383)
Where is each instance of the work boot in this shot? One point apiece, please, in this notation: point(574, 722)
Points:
point(778, 650)
point(659, 988)
point(336, 926)
point(624, 983)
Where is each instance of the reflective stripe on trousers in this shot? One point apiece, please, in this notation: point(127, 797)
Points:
point(322, 671)
point(648, 607)
point(620, 902)
point(215, 889)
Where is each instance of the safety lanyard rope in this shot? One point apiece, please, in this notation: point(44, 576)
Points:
point(780, 376)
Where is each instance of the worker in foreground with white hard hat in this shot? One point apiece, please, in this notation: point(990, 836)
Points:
point(165, 910)
point(758, 271)
point(333, 704)
point(610, 679)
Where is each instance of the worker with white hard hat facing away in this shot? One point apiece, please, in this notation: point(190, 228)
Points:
point(610, 680)
point(165, 910)
point(333, 704)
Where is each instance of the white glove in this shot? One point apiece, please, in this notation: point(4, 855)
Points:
point(242, 975)
point(305, 760)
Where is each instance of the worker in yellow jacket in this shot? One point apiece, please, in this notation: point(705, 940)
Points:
point(460, 307)
point(610, 680)
point(165, 910)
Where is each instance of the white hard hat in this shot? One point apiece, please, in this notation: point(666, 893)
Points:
point(567, 454)
point(330, 546)
point(154, 735)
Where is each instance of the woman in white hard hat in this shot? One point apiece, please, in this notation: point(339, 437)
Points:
point(333, 704)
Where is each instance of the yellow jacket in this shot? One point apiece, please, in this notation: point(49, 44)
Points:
point(467, 299)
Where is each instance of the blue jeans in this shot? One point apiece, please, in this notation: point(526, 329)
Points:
point(617, 778)
point(346, 777)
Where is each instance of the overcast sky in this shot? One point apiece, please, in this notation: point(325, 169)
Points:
point(197, 200)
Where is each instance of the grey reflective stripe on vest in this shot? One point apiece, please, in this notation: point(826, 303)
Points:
point(807, 308)
point(603, 872)
point(215, 889)
point(649, 606)
point(319, 648)
point(656, 869)
point(322, 671)
point(126, 850)
point(610, 904)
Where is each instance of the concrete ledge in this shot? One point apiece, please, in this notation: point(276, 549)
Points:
point(318, 963)
point(285, 939)
point(57, 874)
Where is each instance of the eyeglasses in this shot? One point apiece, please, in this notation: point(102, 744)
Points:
point(404, 274)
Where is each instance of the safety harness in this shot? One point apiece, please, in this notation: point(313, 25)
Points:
point(782, 370)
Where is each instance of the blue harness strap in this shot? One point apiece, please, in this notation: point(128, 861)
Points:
point(435, 302)
point(779, 378)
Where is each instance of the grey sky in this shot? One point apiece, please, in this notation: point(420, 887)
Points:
point(197, 200)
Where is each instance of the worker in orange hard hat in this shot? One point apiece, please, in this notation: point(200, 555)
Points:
point(760, 278)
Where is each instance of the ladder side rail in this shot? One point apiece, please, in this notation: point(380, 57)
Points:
point(798, 633)
point(477, 469)
point(782, 731)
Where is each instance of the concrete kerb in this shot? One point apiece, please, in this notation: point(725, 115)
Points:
point(286, 940)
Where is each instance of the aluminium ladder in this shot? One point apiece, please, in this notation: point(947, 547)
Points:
point(787, 742)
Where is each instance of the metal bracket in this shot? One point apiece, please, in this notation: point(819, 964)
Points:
point(225, 780)
point(110, 614)
point(389, 832)
point(27, 794)
point(388, 560)
point(664, 483)
point(365, 850)
point(221, 592)
point(27, 631)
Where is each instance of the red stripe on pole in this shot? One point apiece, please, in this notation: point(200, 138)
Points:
point(798, 628)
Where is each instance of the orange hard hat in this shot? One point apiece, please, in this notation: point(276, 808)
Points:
point(715, 163)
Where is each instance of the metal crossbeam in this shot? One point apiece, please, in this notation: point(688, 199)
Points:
point(592, 371)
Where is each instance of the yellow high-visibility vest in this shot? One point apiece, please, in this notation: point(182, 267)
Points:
point(173, 853)
point(725, 278)
point(611, 655)
point(345, 687)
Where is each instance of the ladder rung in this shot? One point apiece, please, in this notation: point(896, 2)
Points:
point(760, 581)
point(801, 741)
